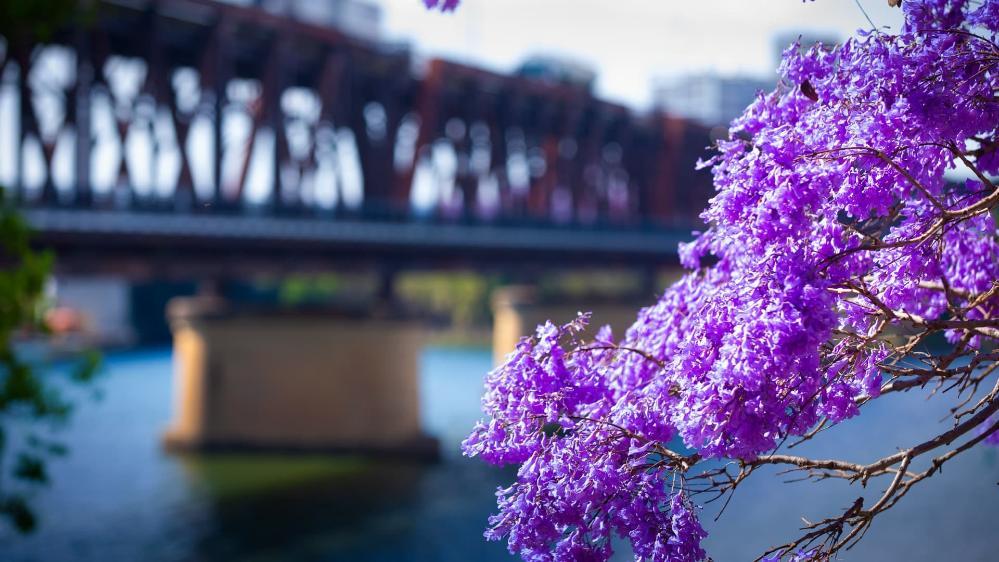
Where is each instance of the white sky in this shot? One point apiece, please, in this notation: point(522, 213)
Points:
point(629, 42)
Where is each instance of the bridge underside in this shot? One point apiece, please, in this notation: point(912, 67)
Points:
point(142, 244)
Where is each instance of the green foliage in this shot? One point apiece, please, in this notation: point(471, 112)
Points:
point(31, 468)
point(23, 280)
point(23, 273)
point(16, 509)
point(462, 295)
point(88, 367)
point(35, 18)
point(24, 396)
point(306, 289)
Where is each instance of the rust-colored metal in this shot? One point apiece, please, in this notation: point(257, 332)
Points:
point(589, 149)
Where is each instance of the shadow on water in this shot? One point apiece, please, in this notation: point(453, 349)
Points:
point(310, 508)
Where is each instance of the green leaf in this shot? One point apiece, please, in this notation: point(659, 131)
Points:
point(88, 368)
point(16, 509)
point(31, 468)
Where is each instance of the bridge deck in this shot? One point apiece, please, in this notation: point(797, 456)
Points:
point(215, 242)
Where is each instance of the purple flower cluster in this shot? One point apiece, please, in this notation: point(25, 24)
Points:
point(813, 555)
point(993, 437)
point(837, 219)
point(443, 5)
point(582, 475)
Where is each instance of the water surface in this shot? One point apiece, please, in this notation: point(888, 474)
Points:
point(119, 497)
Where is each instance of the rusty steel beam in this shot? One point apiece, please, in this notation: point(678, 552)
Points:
point(588, 147)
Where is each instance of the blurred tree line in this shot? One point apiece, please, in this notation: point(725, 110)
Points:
point(461, 298)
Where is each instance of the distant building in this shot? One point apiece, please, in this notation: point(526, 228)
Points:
point(715, 100)
point(708, 98)
point(359, 18)
point(557, 70)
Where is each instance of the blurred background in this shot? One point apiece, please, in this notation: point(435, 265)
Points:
point(302, 231)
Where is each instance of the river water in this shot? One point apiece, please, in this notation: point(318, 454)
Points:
point(118, 497)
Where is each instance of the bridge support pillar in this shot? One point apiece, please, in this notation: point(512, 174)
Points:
point(296, 382)
point(518, 309)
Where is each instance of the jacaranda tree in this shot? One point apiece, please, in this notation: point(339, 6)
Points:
point(843, 263)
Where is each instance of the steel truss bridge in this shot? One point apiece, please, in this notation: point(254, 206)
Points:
point(198, 134)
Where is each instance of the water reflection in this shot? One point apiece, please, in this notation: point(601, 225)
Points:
point(119, 497)
point(304, 508)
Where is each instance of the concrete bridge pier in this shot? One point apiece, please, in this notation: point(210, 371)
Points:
point(294, 381)
point(518, 309)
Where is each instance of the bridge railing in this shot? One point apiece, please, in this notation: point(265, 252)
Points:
point(198, 106)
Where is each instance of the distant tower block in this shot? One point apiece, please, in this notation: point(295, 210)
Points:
point(283, 381)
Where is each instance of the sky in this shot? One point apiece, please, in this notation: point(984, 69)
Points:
point(629, 42)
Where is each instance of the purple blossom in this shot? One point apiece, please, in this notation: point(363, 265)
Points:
point(986, 16)
point(443, 5)
point(812, 555)
point(785, 327)
point(993, 437)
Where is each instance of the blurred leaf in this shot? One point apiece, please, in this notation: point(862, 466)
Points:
point(23, 394)
point(31, 468)
point(23, 274)
point(49, 447)
point(16, 509)
point(88, 367)
point(35, 18)
point(56, 449)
